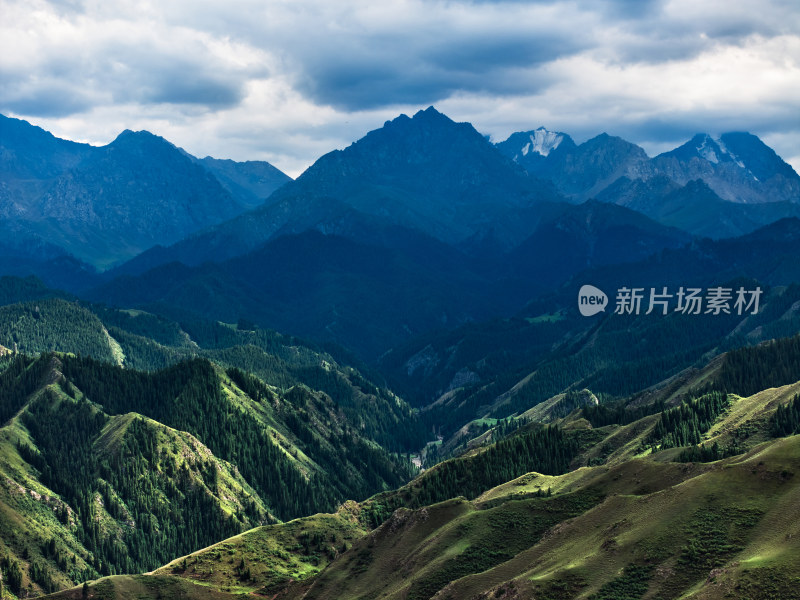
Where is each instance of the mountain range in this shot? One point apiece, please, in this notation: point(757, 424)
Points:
point(424, 173)
point(713, 187)
point(106, 204)
point(442, 178)
point(425, 213)
point(357, 220)
point(374, 381)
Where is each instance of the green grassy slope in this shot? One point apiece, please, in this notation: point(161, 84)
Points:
point(105, 470)
point(630, 528)
point(267, 559)
point(138, 587)
point(768, 366)
point(634, 527)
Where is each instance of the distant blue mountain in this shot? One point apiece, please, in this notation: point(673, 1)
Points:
point(421, 224)
point(720, 187)
point(250, 182)
point(425, 173)
point(739, 167)
point(106, 204)
point(534, 150)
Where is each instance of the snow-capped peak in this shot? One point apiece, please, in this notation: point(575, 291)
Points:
point(542, 141)
point(707, 150)
point(710, 146)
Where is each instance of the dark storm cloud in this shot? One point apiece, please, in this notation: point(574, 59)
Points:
point(483, 53)
point(171, 83)
point(433, 56)
point(367, 74)
point(661, 36)
point(54, 100)
point(156, 79)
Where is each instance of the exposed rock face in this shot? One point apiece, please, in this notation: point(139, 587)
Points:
point(717, 187)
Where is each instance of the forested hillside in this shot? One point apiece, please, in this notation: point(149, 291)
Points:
point(124, 429)
point(640, 522)
point(118, 470)
point(144, 341)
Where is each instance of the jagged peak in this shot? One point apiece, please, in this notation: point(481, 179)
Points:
point(425, 127)
point(543, 142)
point(709, 147)
point(605, 137)
point(615, 143)
point(539, 142)
point(430, 112)
point(142, 136)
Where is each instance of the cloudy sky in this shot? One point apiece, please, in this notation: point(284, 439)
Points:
point(288, 80)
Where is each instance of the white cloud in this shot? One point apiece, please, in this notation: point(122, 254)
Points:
point(287, 81)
